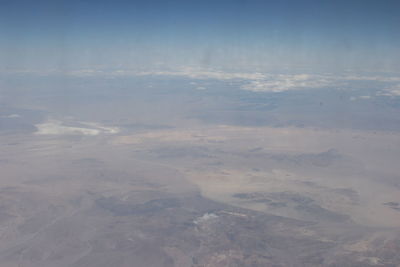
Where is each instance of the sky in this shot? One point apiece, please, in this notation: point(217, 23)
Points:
point(235, 34)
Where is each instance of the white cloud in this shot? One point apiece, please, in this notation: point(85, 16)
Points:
point(392, 91)
point(86, 72)
point(281, 83)
point(371, 78)
point(354, 98)
point(255, 81)
point(251, 81)
point(200, 74)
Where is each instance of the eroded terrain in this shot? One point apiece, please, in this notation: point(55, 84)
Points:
point(216, 196)
point(106, 175)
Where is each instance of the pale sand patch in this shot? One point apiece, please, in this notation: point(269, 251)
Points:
point(56, 127)
point(221, 186)
point(168, 136)
point(372, 159)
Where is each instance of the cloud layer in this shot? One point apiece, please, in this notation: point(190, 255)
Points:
point(386, 85)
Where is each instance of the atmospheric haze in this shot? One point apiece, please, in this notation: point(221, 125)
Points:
point(199, 133)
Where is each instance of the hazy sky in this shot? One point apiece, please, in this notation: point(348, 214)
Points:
point(357, 34)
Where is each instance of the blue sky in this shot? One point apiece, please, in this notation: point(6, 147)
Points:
point(223, 34)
